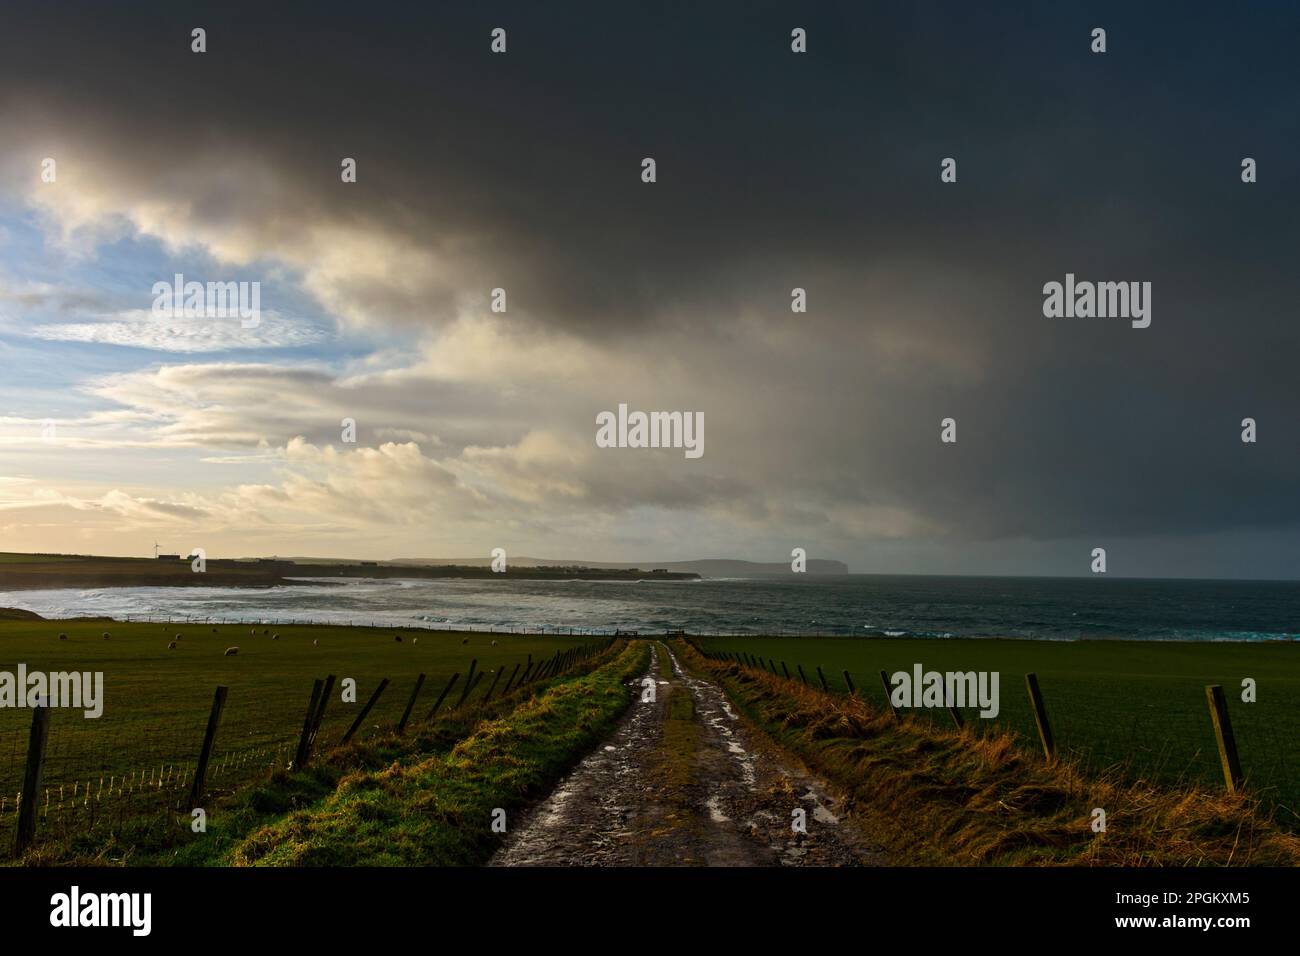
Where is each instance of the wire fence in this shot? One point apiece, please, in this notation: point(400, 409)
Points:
point(100, 782)
point(1177, 742)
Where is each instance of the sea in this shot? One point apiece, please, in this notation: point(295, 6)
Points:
point(1053, 609)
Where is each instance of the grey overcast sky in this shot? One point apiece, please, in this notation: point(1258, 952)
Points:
point(775, 170)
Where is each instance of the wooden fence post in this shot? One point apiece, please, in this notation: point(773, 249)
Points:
point(1040, 717)
point(786, 670)
point(32, 777)
point(309, 740)
point(469, 682)
point(801, 674)
point(496, 677)
point(443, 696)
point(889, 694)
point(325, 693)
point(823, 679)
point(410, 704)
point(954, 711)
point(1228, 758)
point(356, 724)
point(205, 752)
point(848, 682)
point(511, 680)
point(304, 741)
point(472, 685)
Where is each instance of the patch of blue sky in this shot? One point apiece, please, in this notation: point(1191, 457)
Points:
point(68, 315)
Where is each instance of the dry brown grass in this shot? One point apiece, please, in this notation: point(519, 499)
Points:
point(976, 797)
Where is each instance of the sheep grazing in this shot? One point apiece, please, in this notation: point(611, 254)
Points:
point(231, 651)
point(266, 630)
point(171, 645)
point(106, 635)
point(63, 637)
point(178, 637)
point(415, 640)
point(465, 641)
point(398, 638)
point(494, 643)
point(314, 642)
point(275, 637)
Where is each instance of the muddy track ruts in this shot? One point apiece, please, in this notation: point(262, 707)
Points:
point(684, 780)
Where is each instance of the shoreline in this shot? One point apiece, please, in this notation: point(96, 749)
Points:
point(14, 615)
point(94, 573)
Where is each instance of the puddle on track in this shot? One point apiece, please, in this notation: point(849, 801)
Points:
point(616, 808)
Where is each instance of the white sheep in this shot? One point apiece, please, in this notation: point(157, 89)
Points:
point(171, 645)
point(231, 651)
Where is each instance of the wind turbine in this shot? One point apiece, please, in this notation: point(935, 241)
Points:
point(155, 550)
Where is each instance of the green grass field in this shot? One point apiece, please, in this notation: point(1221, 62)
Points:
point(157, 700)
point(433, 807)
point(1141, 706)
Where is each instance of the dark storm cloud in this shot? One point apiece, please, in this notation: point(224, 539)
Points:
point(775, 171)
point(764, 156)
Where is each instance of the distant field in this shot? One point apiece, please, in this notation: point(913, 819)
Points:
point(157, 700)
point(19, 571)
point(1137, 704)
